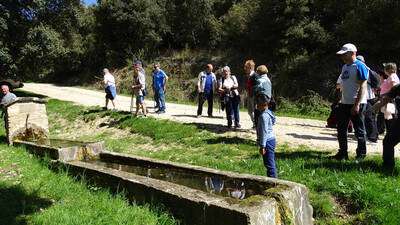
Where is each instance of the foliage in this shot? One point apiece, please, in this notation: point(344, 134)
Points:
point(296, 39)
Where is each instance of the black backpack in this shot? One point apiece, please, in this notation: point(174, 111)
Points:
point(374, 79)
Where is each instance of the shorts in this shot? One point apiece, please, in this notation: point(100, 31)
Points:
point(111, 92)
point(140, 99)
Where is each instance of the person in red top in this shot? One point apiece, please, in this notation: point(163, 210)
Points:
point(249, 66)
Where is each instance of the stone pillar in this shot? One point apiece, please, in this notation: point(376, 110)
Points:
point(26, 119)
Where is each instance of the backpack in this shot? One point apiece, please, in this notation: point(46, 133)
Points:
point(262, 88)
point(374, 79)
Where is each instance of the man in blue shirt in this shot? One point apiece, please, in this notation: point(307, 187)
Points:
point(207, 83)
point(159, 84)
point(354, 79)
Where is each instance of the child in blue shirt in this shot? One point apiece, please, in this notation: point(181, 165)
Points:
point(266, 138)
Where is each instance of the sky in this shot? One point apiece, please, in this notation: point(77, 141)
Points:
point(90, 2)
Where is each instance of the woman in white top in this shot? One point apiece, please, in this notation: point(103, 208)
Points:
point(228, 86)
point(110, 88)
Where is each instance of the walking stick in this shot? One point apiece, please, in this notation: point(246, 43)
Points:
point(131, 108)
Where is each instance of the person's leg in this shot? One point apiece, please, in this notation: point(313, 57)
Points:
point(137, 105)
point(392, 138)
point(343, 118)
point(106, 103)
point(359, 131)
point(236, 102)
point(161, 97)
point(200, 106)
point(388, 124)
point(269, 158)
point(370, 123)
point(250, 109)
point(113, 103)
point(229, 111)
point(380, 123)
point(144, 109)
point(210, 102)
point(156, 99)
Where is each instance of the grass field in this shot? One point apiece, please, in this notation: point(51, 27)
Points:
point(341, 192)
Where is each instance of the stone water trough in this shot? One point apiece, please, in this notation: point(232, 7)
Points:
point(194, 195)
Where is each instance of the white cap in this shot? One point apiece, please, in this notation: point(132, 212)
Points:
point(347, 48)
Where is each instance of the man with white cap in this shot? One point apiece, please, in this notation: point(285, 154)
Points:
point(354, 78)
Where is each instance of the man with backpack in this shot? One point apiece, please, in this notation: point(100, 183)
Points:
point(370, 116)
point(354, 77)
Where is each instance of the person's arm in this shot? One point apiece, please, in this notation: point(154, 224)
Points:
point(199, 82)
point(165, 81)
point(362, 75)
point(386, 98)
point(105, 80)
point(235, 83)
point(261, 137)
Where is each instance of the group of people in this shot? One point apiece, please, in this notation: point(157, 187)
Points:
point(367, 101)
point(259, 96)
point(139, 89)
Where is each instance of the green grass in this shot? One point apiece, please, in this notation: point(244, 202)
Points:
point(30, 193)
point(341, 192)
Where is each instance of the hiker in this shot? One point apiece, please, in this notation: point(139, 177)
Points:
point(110, 88)
point(370, 116)
point(262, 87)
point(159, 84)
point(7, 96)
point(389, 110)
point(265, 136)
point(139, 87)
point(392, 137)
point(249, 72)
point(331, 122)
point(228, 88)
point(354, 77)
point(206, 85)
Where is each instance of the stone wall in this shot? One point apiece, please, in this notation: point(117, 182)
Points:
point(25, 119)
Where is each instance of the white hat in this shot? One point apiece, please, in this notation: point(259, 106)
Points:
point(347, 48)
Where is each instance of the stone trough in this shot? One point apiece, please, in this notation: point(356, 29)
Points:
point(195, 195)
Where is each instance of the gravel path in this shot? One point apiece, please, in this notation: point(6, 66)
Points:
point(292, 131)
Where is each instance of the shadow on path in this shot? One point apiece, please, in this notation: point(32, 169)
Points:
point(194, 116)
point(312, 137)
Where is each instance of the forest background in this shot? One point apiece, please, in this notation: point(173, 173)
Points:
point(69, 42)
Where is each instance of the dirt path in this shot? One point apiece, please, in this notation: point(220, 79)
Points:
point(292, 131)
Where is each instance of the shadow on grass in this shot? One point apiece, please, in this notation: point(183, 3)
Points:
point(16, 203)
point(230, 140)
point(352, 165)
point(302, 154)
point(213, 128)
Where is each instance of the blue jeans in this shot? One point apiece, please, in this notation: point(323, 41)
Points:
point(269, 158)
point(232, 110)
point(343, 117)
point(160, 99)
